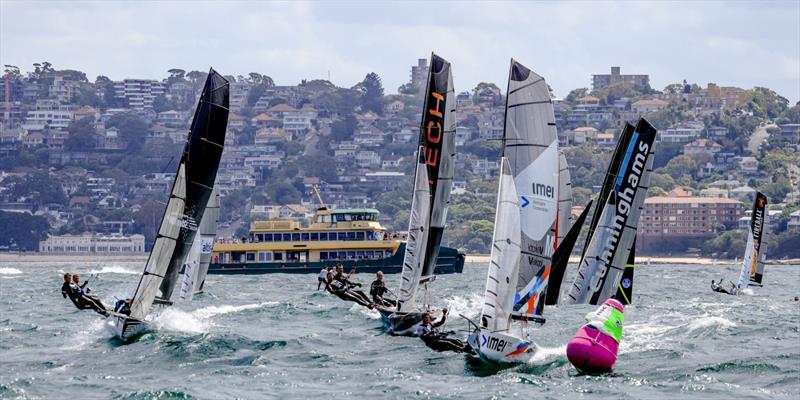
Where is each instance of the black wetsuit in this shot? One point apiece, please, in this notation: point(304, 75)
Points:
point(340, 290)
point(719, 289)
point(86, 302)
point(439, 341)
point(377, 289)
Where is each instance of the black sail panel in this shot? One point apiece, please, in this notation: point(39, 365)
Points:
point(625, 289)
point(437, 139)
point(561, 258)
point(201, 158)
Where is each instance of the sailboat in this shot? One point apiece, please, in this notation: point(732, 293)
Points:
point(433, 180)
point(606, 265)
point(533, 208)
point(195, 269)
point(190, 194)
point(755, 253)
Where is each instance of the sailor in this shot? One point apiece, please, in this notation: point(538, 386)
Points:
point(429, 333)
point(83, 300)
point(123, 307)
point(67, 290)
point(717, 287)
point(377, 289)
point(340, 290)
point(341, 277)
point(323, 273)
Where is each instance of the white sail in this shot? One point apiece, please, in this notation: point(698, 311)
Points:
point(190, 269)
point(417, 240)
point(749, 261)
point(501, 281)
point(162, 250)
point(564, 199)
point(208, 234)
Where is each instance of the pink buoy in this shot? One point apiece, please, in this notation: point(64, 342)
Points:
point(591, 350)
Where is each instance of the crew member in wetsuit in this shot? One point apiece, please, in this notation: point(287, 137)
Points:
point(339, 289)
point(321, 278)
point(429, 333)
point(341, 277)
point(123, 307)
point(377, 289)
point(84, 301)
point(67, 290)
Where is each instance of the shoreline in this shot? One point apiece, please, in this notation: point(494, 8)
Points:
point(470, 259)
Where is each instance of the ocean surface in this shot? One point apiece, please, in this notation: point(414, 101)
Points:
point(275, 336)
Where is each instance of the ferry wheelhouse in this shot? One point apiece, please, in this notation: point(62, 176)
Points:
point(351, 237)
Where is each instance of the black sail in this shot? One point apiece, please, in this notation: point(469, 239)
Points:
point(200, 159)
point(561, 258)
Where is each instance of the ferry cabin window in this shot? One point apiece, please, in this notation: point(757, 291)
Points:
point(351, 255)
point(251, 256)
point(351, 236)
point(314, 236)
point(277, 256)
point(342, 236)
point(323, 255)
point(323, 236)
point(236, 257)
point(287, 237)
point(388, 253)
point(304, 237)
point(360, 254)
point(264, 256)
point(371, 235)
point(370, 254)
point(359, 235)
point(267, 237)
point(295, 237)
point(342, 255)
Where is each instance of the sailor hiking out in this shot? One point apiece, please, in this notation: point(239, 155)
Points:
point(437, 340)
point(79, 294)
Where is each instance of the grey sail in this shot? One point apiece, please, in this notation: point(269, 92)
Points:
point(564, 200)
point(530, 144)
point(208, 234)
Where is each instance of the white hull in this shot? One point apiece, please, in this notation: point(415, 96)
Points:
point(499, 347)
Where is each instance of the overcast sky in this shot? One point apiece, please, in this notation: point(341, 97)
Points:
point(730, 43)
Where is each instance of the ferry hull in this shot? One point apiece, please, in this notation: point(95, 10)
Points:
point(450, 261)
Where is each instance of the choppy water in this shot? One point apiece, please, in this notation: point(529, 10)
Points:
point(274, 336)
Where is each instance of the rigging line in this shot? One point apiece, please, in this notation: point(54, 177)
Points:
point(529, 103)
point(525, 85)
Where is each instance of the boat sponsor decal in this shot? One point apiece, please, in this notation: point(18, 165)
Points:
point(493, 343)
point(521, 348)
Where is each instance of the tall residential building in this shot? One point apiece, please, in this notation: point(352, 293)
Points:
point(139, 92)
point(601, 81)
point(419, 72)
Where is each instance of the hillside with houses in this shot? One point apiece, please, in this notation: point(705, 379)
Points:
point(81, 157)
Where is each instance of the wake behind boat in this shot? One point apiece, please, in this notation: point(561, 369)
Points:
point(188, 199)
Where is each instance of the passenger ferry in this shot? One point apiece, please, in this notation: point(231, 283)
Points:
point(351, 237)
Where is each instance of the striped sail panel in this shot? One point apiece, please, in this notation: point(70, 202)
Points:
point(531, 147)
point(163, 248)
point(417, 239)
point(201, 156)
point(437, 138)
point(190, 269)
point(208, 233)
point(504, 262)
point(604, 260)
point(564, 200)
point(561, 258)
point(758, 223)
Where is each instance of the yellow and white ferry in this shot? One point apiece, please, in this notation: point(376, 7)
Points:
point(351, 237)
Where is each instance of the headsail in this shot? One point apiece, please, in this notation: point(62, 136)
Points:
point(755, 233)
point(530, 144)
point(502, 275)
point(190, 268)
point(189, 196)
point(610, 244)
point(417, 238)
point(437, 137)
point(208, 234)
point(564, 199)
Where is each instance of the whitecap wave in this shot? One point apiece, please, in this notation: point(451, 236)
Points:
point(173, 319)
point(709, 322)
point(113, 270)
point(544, 353)
point(371, 314)
point(210, 311)
point(9, 271)
point(467, 306)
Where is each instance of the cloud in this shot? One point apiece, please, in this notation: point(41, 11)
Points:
point(738, 43)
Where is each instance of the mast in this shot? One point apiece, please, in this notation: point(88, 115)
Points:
point(610, 244)
point(188, 198)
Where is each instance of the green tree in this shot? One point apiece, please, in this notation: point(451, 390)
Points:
point(22, 231)
point(343, 129)
point(132, 129)
point(576, 94)
point(372, 93)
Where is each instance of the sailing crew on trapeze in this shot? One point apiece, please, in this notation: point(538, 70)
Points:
point(437, 340)
point(594, 347)
point(341, 290)
point(378, 289)
point(79, 295)
point(717, 287)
